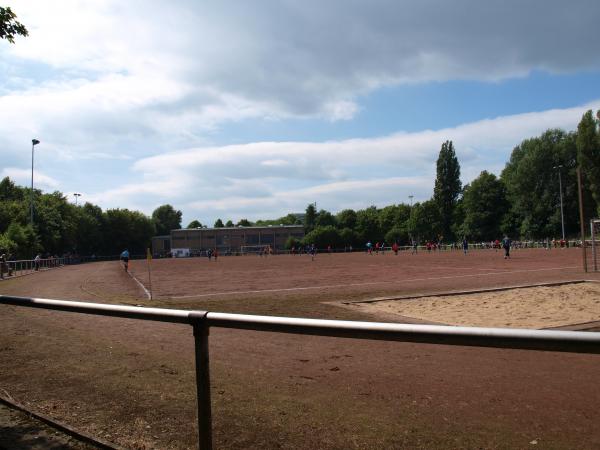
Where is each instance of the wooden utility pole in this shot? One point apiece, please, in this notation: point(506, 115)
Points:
point(583, 250)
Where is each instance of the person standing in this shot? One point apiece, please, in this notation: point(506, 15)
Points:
point(465, 245)
point(506, 247)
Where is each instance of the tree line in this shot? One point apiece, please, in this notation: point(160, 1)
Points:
point(523, 202)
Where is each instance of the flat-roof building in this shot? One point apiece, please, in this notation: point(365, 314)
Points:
point(188, 241)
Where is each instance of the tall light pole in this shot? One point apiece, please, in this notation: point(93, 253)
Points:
point(562, 216)
point(411, 197)
point(76, 197)
point(34, 142)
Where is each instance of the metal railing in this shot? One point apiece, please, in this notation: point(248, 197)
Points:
point(201, 321)
point(26, 266)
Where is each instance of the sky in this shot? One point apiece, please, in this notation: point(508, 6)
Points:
point(254, 109)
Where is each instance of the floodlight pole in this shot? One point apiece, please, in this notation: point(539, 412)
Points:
point(562, 216)
point(411, 198)
point(76, 197)
point(582, 225)
point(34, 142)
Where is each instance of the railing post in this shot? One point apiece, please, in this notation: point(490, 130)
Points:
point(198, 321)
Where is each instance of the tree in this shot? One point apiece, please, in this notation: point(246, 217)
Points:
point(588, 153)
point(292, 242)
point(425, 221)
point(219, 224)
point(229, 223)
point(325, 219)
point(398, 235)
point(244, 223)
point(324, 236)
point(25, 239)
point(310, 218)
point(349, 237)
point(9, 26)
point(166, 218)
point(194, 224)
point(485, 205)
point(447, 186)
point(367, 224)
point(533, 190)
point(346, 219)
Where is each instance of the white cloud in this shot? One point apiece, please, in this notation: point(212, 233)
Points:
point(23, 177)
point(108, 81)
point(269, 179)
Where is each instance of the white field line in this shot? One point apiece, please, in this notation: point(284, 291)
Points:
point(370, 283)
point(141, 285)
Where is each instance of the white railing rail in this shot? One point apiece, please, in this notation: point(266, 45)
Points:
point(201, 321)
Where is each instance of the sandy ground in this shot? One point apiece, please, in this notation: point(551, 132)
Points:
point(536, 307)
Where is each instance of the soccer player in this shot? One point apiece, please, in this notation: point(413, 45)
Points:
point(506, 247)
point(465, 245)
point(395, 248)
point(125, 259)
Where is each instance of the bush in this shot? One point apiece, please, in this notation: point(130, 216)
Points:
point(323, 236)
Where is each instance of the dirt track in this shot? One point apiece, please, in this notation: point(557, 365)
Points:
point(132, 382)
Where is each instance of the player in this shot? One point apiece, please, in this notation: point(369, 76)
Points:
point(506, 247)
point(395, 248)
point(465, 245)
point(125, 259)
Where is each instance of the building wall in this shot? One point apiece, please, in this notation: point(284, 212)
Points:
point(232, 239)
point(161, 245)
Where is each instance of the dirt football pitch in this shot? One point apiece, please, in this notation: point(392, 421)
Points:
point(132, 382)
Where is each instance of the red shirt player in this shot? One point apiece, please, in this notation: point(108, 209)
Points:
point(395, 248)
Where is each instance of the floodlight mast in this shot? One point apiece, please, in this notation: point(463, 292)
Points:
point(34, 142)
point(562, 216)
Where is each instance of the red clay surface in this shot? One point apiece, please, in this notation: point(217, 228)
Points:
point(131, 382)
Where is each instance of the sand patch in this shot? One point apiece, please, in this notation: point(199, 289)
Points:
point(537, 307)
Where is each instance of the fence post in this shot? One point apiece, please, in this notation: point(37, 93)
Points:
point(201, 330)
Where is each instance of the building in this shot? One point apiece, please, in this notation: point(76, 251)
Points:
point(190, 241)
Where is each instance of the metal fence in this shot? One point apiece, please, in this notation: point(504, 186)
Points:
point(201, 321)
point(26, 266)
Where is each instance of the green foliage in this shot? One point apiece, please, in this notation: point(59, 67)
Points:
point(219, 224)
point(244, 223)
point(398, 235)
point(228, 224)
point(367, 224)
point(425, 222)
point(292, 242)
point(310, 219)
point(10, 26)
point(349, 237)
point(197, 224)
point(484, 204)
point(447, 186)
point(346, 219)
point(324, 236)
point(532, 186)
point(588, 154)
point(129, 229)
point(7, 246)
point(325, 219)
point(25, 238)
point(166, 218)
point(290, 219)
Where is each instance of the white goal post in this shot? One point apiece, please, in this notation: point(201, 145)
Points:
point(595, 232)
point(256, 249)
